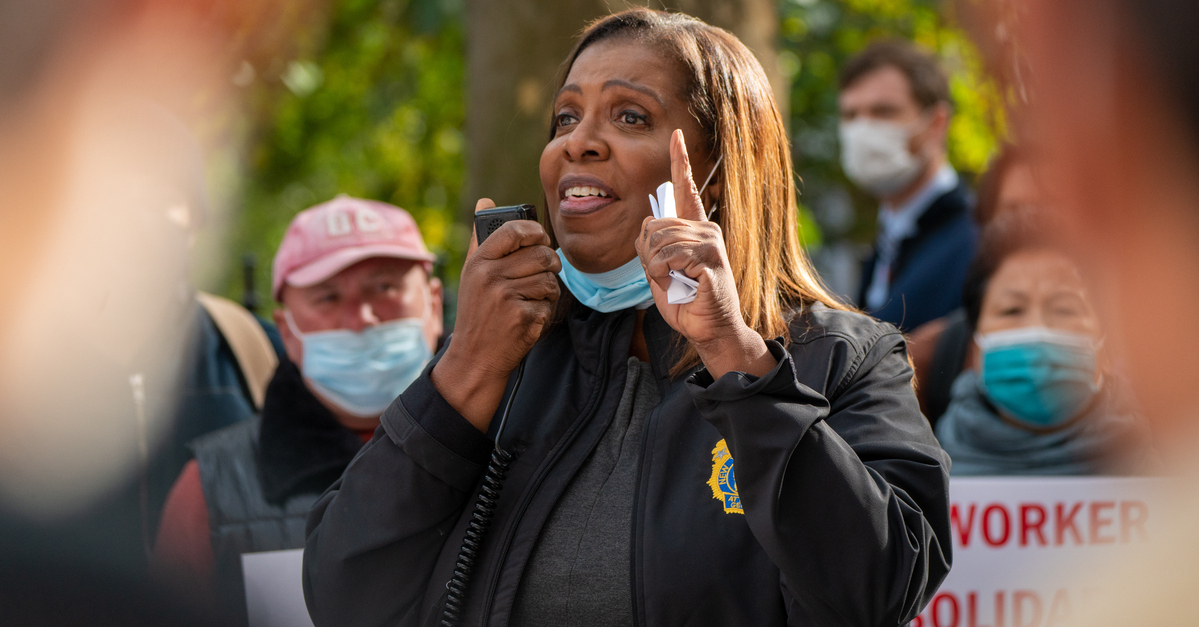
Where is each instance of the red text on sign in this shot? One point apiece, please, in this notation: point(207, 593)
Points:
point(1048, 524)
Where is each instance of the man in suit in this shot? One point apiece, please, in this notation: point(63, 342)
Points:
point(895, 110)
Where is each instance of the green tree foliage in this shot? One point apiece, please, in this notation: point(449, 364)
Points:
point(818, 36)
point(372, 108)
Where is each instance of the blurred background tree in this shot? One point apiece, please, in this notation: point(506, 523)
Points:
point(370, 105)
point(371, 101)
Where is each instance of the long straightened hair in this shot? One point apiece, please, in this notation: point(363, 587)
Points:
point(727, 92)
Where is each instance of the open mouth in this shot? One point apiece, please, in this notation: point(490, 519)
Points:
point(581, 194)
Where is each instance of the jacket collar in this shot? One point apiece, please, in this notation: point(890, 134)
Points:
point(596, 336)
point(952, 205)
point(301, 446)
point(896, 223)
point(948, 206)
point(593, 334)
point(666, 348)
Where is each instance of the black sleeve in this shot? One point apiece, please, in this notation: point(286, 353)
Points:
point(850, 500)
point(375, 535)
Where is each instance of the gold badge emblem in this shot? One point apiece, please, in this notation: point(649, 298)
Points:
point(723, 482)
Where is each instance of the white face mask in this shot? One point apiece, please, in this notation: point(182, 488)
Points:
point(876, 158)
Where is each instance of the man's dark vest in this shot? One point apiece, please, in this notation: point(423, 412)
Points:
point(240, 518)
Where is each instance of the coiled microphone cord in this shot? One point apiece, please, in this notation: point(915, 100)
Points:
point(480, 518)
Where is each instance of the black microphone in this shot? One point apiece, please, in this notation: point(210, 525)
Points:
point(488, 220)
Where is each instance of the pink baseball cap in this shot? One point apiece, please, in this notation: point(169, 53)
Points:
point(332, 236)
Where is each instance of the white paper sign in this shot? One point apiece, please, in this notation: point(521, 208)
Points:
point(1023, 547)
point(274, 589)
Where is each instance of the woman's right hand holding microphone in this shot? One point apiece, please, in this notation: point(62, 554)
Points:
point(506, 296)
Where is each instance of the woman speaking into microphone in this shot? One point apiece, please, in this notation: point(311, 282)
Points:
point(641, 420)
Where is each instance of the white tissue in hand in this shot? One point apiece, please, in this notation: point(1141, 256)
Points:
point(663, 205)
point(682, 288)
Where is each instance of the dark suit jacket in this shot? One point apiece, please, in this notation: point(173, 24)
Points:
point(926, 279)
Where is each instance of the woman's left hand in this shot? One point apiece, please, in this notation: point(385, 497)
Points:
point(692, 245)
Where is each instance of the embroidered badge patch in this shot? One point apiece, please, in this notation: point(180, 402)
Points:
point(723, 482)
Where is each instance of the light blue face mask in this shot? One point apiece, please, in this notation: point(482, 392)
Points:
point(1038, 376)
point(613, 290)
point(617, 289)
point(364, 372)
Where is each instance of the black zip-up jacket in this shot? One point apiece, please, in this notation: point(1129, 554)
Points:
point(838, 513)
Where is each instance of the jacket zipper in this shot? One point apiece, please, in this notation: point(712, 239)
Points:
point(635, 528)
point(635, 580)
point(489, 600)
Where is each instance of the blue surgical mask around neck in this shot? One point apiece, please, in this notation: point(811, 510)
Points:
point(613, 290)
point(363, 372)
point(1038, 376)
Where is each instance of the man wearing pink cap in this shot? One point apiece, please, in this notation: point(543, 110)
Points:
point(360, 317)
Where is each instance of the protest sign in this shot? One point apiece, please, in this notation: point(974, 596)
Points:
point(274, 592)
point(1024, 548)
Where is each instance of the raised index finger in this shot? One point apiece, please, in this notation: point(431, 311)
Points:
point(687, 203)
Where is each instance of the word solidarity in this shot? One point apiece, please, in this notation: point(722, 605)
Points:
point(1014, 608)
